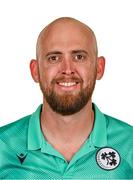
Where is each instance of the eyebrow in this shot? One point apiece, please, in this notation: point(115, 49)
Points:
point(53, 52)
point(73, 52)
point(79, 51)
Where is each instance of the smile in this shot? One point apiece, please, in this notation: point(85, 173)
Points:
point(67, 84)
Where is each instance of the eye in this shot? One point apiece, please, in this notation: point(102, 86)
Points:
point(79, 57)
point(53, 58)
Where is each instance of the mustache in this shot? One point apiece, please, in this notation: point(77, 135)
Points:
point(67, 79)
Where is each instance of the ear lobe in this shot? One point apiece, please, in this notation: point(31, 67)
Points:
point(100, 67)
point(34, 70)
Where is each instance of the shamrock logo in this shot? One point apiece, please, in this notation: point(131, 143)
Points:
point(108, 158)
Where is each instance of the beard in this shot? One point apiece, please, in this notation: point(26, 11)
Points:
point(68, 103)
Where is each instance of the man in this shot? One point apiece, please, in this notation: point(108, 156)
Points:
point(67, 137)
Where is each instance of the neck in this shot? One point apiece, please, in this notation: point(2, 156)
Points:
point(67, 131)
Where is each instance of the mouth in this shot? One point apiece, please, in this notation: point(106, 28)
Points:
point(67, 84)
point(72, 84)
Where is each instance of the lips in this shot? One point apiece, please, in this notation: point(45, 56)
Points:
point(67, 84)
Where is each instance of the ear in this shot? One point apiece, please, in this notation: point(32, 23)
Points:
point(34, 70)
point(100, 67)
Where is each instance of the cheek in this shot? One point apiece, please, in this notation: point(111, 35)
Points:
point(88, 75)
point(47, 74)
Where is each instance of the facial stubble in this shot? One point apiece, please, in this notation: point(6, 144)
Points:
point(68, 103)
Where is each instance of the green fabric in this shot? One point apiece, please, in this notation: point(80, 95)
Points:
point(25, 153)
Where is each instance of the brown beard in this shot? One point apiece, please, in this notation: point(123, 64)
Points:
point(68, 104)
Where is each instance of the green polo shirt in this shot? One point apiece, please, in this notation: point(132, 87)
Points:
point(106, 154)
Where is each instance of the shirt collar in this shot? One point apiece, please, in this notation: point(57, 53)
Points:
point(98, 135)
point(35, 135)
point(36, 139)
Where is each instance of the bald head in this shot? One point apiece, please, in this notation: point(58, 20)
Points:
point(59, 26)
point(67, 65)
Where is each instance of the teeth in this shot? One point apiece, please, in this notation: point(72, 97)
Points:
point(67, 84)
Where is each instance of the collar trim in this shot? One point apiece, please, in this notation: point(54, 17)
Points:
point(99, 133)
point(35, 135)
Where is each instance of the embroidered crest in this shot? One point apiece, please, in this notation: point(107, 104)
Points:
point(108, 158)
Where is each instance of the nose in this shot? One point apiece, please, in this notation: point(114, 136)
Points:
point(67, 66)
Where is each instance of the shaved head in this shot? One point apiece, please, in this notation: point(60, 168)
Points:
point(67, 22)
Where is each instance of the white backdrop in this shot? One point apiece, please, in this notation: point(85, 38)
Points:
point(20, 23)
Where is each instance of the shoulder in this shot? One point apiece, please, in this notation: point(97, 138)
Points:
point(14, 130)
point(14, 125)
point(117, 125)
point(120, 135)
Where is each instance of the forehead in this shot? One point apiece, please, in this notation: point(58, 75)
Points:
point(66, 34)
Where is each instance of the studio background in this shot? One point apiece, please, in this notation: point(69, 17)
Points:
point(20, 23)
